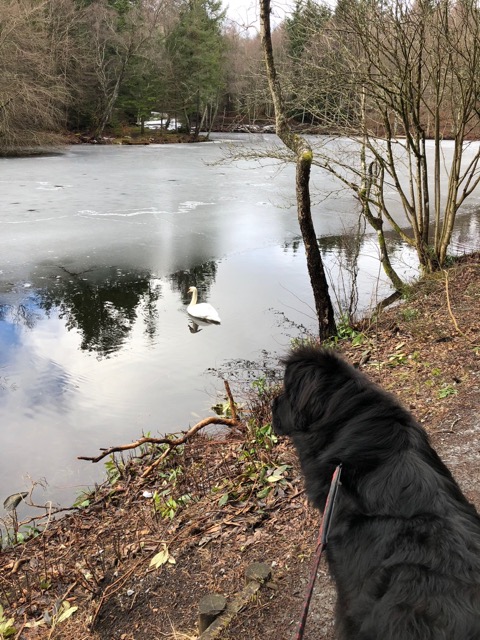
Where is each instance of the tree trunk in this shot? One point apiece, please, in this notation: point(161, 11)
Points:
point(370, 177)
point(109, 106)
point(304, 157)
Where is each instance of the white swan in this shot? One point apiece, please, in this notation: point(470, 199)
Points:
point(203, 311)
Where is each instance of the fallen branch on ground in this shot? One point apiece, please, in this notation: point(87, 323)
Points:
point(171, 442)
point(449, 306)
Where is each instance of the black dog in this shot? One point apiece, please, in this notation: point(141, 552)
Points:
point(404, 547)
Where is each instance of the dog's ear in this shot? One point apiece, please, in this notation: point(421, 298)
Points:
point(283, 421)
point(290, 415)
point(307, 403)
point(300, 404)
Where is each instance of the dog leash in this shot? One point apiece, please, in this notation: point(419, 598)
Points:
point(321, 545)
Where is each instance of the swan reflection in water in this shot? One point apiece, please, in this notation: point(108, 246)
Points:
point(194, 326)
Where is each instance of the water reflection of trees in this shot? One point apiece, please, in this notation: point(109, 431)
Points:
point(328, 244)
point(202, 276)
point(467, 232)
point(466, 238)
point(24, 313)
point(344, 245)
point(342, 253)
point(103, 305)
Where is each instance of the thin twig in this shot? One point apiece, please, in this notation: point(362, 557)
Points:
point(233, 408)
point(20, 631)
point(113, 588)
point(155, 463)
point(447, 292)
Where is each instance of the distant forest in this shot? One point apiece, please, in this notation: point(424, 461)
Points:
point(96, 66)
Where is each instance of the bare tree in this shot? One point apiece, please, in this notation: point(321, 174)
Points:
point(247, 87)
point(31, 95)
point(111, 42)
point(302, 151)
point(406, 77)
point(421, 76)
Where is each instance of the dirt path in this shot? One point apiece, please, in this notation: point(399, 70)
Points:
point(426, 350)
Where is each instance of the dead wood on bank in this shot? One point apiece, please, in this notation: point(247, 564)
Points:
point(169, 441)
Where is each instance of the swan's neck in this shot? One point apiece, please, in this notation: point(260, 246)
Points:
point(194, 297)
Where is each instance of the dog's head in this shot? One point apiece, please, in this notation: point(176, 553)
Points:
point(316, 382)
point(313, 410)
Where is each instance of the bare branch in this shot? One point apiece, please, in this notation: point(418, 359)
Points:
point(170, 442)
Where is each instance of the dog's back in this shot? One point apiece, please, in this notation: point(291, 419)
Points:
point(404, 548)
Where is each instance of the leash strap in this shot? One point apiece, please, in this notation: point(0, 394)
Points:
point(321, 545)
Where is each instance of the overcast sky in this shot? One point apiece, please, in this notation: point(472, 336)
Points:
point(246, 13)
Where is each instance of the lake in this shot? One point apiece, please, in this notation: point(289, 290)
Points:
point(99, 247)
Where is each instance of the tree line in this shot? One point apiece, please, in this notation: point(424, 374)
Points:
point(85, 65)
point(388, 66)
point(391, 78)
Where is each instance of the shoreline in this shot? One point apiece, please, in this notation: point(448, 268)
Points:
point(211, 507)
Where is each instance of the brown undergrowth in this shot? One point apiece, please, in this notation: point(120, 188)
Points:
point(136, 560)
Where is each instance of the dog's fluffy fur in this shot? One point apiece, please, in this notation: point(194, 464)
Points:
point(404, 548)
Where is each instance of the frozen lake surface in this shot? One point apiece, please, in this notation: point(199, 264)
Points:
point(99, 247)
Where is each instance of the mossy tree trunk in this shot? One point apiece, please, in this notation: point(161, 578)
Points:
point(304, 156)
